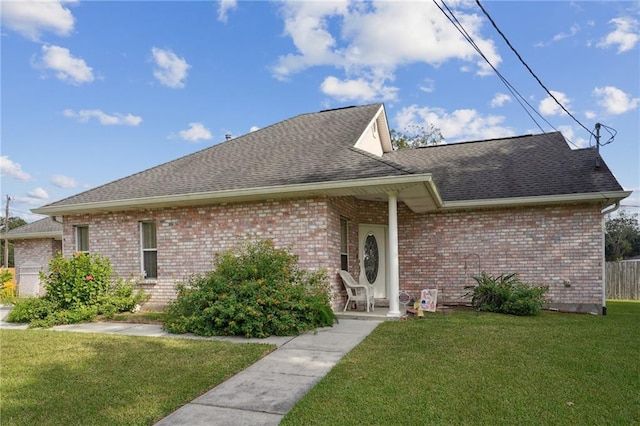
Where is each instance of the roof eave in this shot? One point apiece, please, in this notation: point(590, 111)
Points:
point(353, 187)
point(607, 198)
point(33, 236)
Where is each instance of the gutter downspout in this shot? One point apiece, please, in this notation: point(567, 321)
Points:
point(604, 212)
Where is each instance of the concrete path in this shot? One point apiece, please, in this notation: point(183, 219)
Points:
point(263, 393)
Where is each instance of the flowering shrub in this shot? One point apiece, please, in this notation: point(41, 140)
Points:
point(77, 289)
point(80, 280)
point(7, 286)
point(254, 291)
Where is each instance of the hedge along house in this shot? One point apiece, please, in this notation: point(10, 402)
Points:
point(329, 185)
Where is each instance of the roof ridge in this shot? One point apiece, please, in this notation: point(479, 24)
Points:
point(344, 107)
point(487, 140)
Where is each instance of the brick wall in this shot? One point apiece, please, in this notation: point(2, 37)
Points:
point(189, 238)
point(559, 246)
point(38, 251)
point(550, 245)
point(342, 207)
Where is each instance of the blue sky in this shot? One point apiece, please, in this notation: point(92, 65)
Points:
point(95, 91)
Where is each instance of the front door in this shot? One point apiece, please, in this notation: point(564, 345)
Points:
point(373, 258)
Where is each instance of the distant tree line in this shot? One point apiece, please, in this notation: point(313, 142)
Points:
point(415, 137)
point(622, 236)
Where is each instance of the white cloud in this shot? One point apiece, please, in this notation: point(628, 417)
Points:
point(170, 69)
point(68, 69)
point(195, 132)
point(614, 100)
point(29, 200)
point(62, 181)
point(371, 40)
point(625, 36)
point(11, 169)
point(114, 119)
point(254, 128)
point(590, 115)
point(31, 18)
point(569, 133)
point(357, 90)
point(385, 35)
point(459, 125)
point(428, 86)
point(39, 194)
point(572, 32)
point(500, 99)
point(548, 106)
point(224, 6)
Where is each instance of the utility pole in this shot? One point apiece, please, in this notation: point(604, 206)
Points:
point(597, 145)
point(6, 229)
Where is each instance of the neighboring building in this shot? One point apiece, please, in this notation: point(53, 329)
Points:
point(34, 244)
point(329, 185)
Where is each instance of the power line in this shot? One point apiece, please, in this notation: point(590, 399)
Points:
point(452, 18)
point(516, 94)
point(529, 68)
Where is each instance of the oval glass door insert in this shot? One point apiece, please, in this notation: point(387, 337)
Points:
point(371, 258)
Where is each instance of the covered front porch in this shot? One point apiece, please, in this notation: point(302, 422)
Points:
point(375, 229)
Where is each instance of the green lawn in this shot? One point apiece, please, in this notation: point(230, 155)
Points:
point(61, 378)
point(481, 369)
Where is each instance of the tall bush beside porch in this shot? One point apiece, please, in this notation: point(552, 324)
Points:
point(256, 290)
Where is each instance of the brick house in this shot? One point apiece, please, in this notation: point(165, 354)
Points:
point(329, 185)
point(33, 246)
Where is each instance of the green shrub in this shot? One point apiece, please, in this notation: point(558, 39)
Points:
point(122, 297)
point(506, 294)
point(5, 277)
point(7, 286)
point(80, 280)
point(31, 308)
point(78, 289)
point(67, 316)
point(255, 291)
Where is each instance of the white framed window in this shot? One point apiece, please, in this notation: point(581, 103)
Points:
point(149, 249)
point(344, 244)
point(82, 238)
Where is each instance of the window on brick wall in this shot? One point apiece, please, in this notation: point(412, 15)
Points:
point(82, 239)
point(344, 244)
point(149, 250)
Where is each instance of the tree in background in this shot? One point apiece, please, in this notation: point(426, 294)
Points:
point(14, 222)
point(622, 236)
point(415, 137)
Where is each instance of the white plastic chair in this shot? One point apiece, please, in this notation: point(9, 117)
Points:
point(357, 292)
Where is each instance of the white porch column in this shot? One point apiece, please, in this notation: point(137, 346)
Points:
point(394, 269)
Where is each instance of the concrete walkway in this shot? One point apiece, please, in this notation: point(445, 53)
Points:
point(264, 392)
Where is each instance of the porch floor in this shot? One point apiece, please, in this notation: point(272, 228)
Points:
point(380, 313)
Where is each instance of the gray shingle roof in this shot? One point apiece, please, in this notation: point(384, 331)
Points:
point(46, 227)
point(524, 166)
point(318, 147)
point(308, 148)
